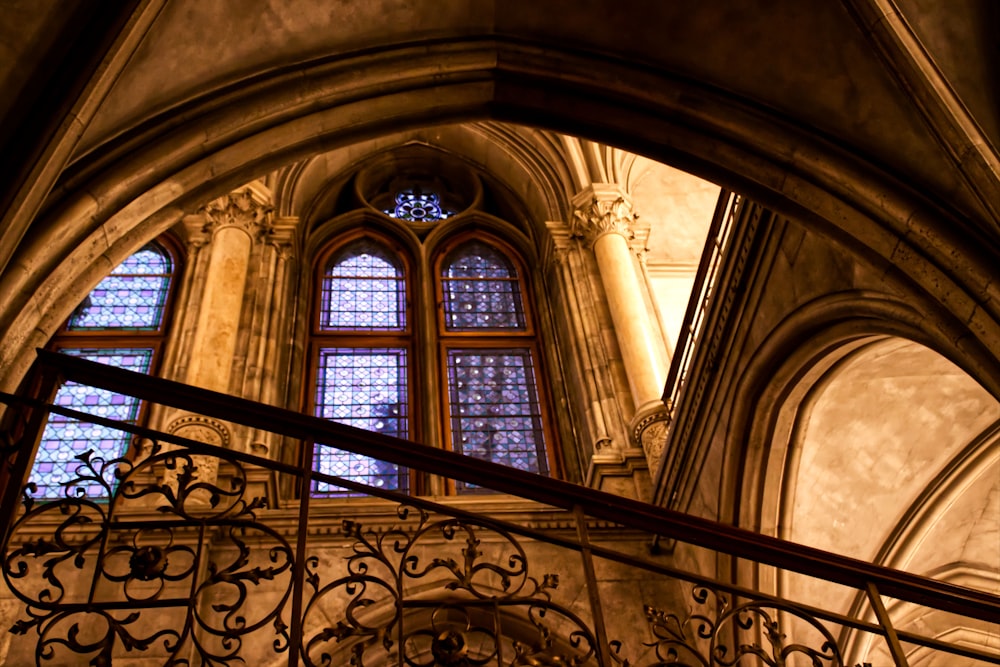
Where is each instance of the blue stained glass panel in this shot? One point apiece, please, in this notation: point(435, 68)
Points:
point(481, 290)
point(365, 388)
point(64, 439)
point(494, 407)
point(417, 205)
point(131, 298)
point(363, 288)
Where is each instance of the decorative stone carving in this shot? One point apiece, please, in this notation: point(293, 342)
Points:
point(244, 209)
point(649, 431)
point(601, 211)
point(201, 429)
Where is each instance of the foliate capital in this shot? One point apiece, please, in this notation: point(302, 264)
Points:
point(244, 209)
point(602, 209)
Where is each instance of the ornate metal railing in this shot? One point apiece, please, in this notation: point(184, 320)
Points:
point(187, 556)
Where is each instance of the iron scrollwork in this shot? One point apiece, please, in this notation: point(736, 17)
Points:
point(130, 570)
point(405, 601)
point(724, 634)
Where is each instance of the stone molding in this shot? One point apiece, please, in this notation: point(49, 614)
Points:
point(602, 209)
point(559, 244)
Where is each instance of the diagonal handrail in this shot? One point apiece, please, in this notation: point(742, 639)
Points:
point(626, 512)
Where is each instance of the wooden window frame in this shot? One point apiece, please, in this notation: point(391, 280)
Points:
point(425, 337)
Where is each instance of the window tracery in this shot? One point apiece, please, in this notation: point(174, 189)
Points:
point(417, 205)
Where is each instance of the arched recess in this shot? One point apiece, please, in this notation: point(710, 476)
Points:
point(875, 446)
point(135, 186)
point(950, 533)
point(785, 367)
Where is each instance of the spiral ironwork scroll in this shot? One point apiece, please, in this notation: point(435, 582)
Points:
point(129, 571)
point(723, 634)
point(433, 595)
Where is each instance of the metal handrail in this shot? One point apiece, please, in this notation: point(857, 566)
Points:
point(626, 512)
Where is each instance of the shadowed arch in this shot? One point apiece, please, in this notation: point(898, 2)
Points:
point(136, 186)
point(796, 354)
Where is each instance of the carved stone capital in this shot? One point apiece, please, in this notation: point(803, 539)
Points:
point(244, 209)
point(649, 431)
point(202, 429)
point(601, 210)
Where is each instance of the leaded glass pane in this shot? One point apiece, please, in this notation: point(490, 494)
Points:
point(365, 388)
point(481, 290)
point(417, 205)
point(64, 439)
point(363, 288)
point(494, 407)
point(131, 298)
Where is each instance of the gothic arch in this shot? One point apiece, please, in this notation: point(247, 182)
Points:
point(801, 369)
point(134, 187)
point(793, 358)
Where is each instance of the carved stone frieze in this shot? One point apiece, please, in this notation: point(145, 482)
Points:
point(202, 429)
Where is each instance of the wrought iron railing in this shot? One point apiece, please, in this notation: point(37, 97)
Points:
point(181, 560)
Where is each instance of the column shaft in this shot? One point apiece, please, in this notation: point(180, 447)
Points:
point(214, 341)
point(633, 328)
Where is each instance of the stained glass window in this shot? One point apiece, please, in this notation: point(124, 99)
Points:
point(481, 290)
point(132, 297)
point(417, 205)
point(365, 388)
point(362, 293)
point(487, 402)
point(494, 409)
point(120, 321)
point(363, 288)
point(64, 439)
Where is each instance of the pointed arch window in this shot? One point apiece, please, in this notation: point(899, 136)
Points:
point(481, 290)
point(489, 354)
point(121, 323)
point(362, 357)
point(484, 342)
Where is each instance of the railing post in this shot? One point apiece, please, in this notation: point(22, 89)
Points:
point(24, 445)
point(596, 608)
point(301, 543)
point(895, 648)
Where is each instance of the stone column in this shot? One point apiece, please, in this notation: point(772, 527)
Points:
point(229, 227)
point(604, 218)
point(233, 221)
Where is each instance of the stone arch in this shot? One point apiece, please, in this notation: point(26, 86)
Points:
point(130, 189)
point(900, 468)
point(792, 359)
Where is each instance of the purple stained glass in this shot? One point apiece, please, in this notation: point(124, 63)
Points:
point(64, 439)
point(132, 297)
point(481, 290)
point(417, 205)
point(363, 288)
point(365, 388)
point(494, 407)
